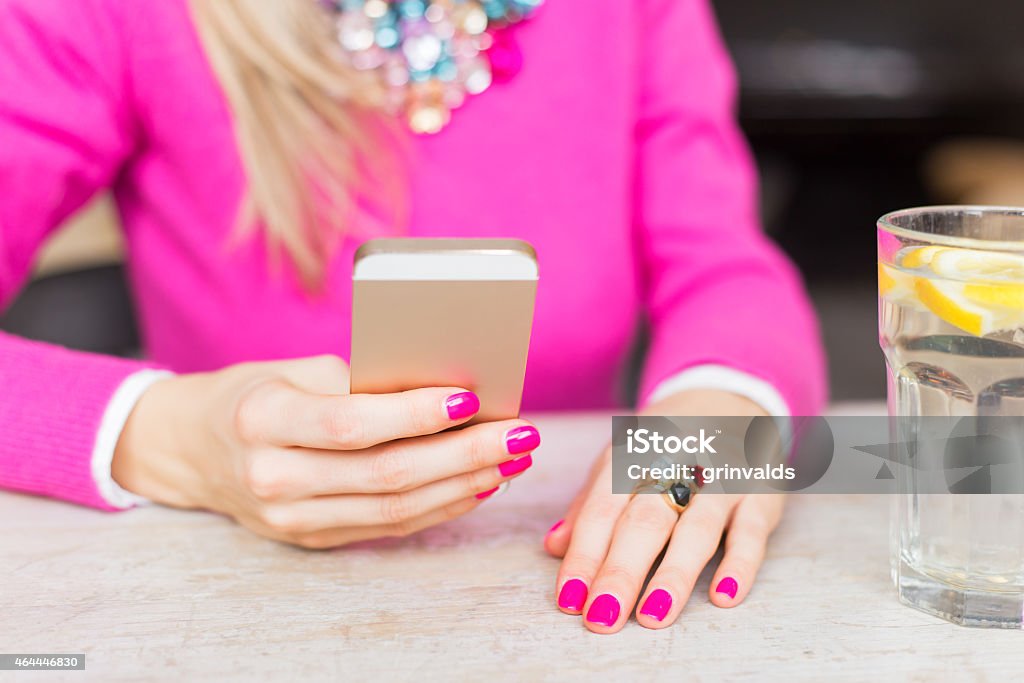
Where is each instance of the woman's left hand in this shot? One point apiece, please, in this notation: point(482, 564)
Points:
point(609, 542)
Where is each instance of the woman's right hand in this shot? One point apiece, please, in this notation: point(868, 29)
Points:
point(285, 450)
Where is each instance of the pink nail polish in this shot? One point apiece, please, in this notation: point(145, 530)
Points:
point(657, 604)
point(462, 404)
point(728, 586)
point(554, 527)
point(573, 595)
point(516, 466)
point(604, 610)
point(521, 440)
point(487, 494)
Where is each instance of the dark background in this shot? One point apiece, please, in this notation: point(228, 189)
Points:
point(844, 104)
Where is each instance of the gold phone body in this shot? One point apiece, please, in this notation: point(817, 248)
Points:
point(444, 312)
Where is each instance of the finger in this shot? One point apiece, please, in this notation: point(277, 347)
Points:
point(326, 512)
point(752, 523)
point(556, 541)
point(281, 414)
point(333, 538)
point(588, 547)
point(326, 374)
point(694, 541)
point(294, 473)
point(640, 536)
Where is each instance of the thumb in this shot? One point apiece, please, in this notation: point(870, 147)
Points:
point(326, 375)
point(556, 542)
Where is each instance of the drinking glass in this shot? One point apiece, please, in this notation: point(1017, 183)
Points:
point(951, 326)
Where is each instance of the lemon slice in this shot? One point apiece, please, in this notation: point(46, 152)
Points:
point(895, 286)
point(1007, 297)
point(918, 257)
point(978, 291)
point(973, 264)
point(948, 300)
point(992, 279)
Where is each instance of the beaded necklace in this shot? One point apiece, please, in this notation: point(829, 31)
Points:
point(431, 54)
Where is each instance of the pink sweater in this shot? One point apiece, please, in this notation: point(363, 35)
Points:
point(614, 152)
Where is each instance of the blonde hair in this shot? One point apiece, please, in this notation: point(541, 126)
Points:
point(310, 129)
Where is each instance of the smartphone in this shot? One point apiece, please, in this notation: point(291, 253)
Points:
point(444, 312)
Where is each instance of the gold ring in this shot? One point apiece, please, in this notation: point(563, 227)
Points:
point(677, 494)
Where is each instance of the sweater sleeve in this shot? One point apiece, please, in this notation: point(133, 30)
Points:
point(65, 133)
point(717, 290)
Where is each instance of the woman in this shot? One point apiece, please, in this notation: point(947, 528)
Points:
point(251, 146)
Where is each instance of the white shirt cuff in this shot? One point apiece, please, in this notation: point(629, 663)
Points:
point(114, 418)
point(724, 378)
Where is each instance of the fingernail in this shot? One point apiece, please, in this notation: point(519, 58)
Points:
point(554, 527)
point(462, 404)
point(510, 467)
point(728, 586)
point(657, 604)
point(487, 494)
point(521, 440)
point(604, 610)
point(573, 595)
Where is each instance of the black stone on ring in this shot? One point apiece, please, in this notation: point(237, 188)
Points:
point(680, 493)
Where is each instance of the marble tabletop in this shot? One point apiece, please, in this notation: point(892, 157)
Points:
point(155, 594)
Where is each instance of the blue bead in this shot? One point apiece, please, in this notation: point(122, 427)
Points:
point(527, 6)
point(413, 9)
point(419, 76)
point(495, 9)
point(446, 70)
point(387, 37)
